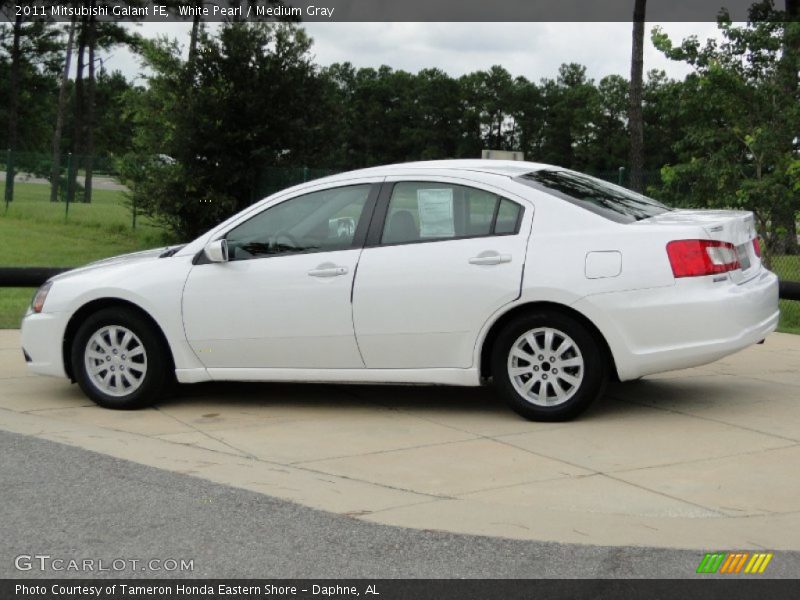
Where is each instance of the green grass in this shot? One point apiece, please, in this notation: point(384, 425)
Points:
point(107, 209)
point(13, 304)
point(34, 232)
point(788, 268)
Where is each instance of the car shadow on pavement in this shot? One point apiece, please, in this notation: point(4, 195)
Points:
point(418, 399)
point(690, 392)
point(341, 396)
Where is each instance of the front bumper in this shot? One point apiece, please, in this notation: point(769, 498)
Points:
point(42, 337)
point(692, 323)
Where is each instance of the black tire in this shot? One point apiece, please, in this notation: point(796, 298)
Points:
point(594, 370)
point(157, 376)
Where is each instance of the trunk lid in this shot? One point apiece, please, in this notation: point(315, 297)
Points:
point(736, 227)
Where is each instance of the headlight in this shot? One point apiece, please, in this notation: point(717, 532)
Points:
point(41, 295)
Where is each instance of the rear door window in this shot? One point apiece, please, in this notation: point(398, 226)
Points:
point(430, 211)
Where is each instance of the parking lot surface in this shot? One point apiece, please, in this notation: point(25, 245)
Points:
point(700, 459)
point(66, 502)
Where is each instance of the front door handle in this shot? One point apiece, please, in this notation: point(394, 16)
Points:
point(490, 257)
point(328, 270)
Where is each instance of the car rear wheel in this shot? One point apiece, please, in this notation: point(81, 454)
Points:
point(119, 359)
point(548, 366)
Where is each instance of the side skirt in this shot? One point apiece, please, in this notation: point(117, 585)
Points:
point(461, 377)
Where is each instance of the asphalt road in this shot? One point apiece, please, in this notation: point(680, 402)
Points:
point(69, 503)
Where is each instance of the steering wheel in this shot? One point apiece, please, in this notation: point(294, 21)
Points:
point(286, 235)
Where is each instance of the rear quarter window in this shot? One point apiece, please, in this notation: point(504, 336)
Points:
point(613, 202)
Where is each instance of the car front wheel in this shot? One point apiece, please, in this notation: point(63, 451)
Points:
point(119, 360)
point(548, 366)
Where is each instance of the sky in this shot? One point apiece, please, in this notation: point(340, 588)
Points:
point(533, 50)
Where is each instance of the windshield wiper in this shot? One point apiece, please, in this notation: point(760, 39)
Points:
point(170, 251)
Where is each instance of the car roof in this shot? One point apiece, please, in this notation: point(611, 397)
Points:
point(508, 168)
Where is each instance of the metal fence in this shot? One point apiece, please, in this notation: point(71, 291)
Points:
point(36, 167)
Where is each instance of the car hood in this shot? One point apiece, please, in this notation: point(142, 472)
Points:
point(122, 259)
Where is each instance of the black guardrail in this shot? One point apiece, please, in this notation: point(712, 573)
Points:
point(789, 290)
point(27, 276)
point(36, 276)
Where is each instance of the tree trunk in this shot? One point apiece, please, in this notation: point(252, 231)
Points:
point(89, 158)
point(635, 118)
point(77, 135)
point(13, 108)
point(193, 40)
point(55, 169)
point(786, 216)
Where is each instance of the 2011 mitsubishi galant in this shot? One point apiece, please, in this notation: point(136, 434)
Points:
point(544, 280)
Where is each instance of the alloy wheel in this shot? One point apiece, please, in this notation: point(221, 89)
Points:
point(116, 360)
point(545, 366)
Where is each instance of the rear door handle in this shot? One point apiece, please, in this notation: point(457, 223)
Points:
point(490, 258)
point(327, 271)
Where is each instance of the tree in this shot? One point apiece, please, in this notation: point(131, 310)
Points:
point(92, 35)
point(13, 104)
point(528, 112)
point(202, 144)
point(734, 149)
point(571, 106)
point(663, 119)
point(32, 47)
point(635, 117)
point(90, 111)
point(55, 169)
point(79, 109)
point(114, 130)
point(609, 144)
point(490, 94)
point(789, 67)
point(434, 125)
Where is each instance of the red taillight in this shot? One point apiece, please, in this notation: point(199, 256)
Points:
point(757, 247)
point(693, 258)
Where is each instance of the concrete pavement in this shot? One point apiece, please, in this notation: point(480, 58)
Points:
point(69, 503)
point(704, 458)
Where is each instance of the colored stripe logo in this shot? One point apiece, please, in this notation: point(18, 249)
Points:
point(734, 563)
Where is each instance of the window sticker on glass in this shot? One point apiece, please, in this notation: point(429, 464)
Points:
point(435, 207)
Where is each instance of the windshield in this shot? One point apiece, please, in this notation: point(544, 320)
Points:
point(605, 199)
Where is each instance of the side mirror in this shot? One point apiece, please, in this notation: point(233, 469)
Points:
point(217, 251)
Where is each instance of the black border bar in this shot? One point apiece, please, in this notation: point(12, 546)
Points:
point(440, 11)
point(735, 588)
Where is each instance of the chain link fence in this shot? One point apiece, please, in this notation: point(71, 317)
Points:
point(70, 171)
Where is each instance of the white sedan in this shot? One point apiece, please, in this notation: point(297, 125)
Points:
point(542, 280)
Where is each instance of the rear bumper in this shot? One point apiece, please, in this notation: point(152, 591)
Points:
point(42, 338)
point(692, 323)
